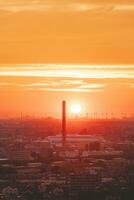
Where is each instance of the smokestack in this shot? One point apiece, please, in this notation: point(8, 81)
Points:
point(63, 123)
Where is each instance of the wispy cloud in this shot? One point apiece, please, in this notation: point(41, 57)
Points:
point(69, 85)
point(61, 6)
point(67, 78)
point(70, 71)
point(64, 6)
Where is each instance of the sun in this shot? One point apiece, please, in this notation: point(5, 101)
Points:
point(76, 108)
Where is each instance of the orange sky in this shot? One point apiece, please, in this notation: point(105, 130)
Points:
point(82, 51)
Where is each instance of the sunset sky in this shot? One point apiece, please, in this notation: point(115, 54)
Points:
point(78, 50)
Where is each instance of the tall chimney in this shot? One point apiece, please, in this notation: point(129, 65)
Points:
point(63, 123)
